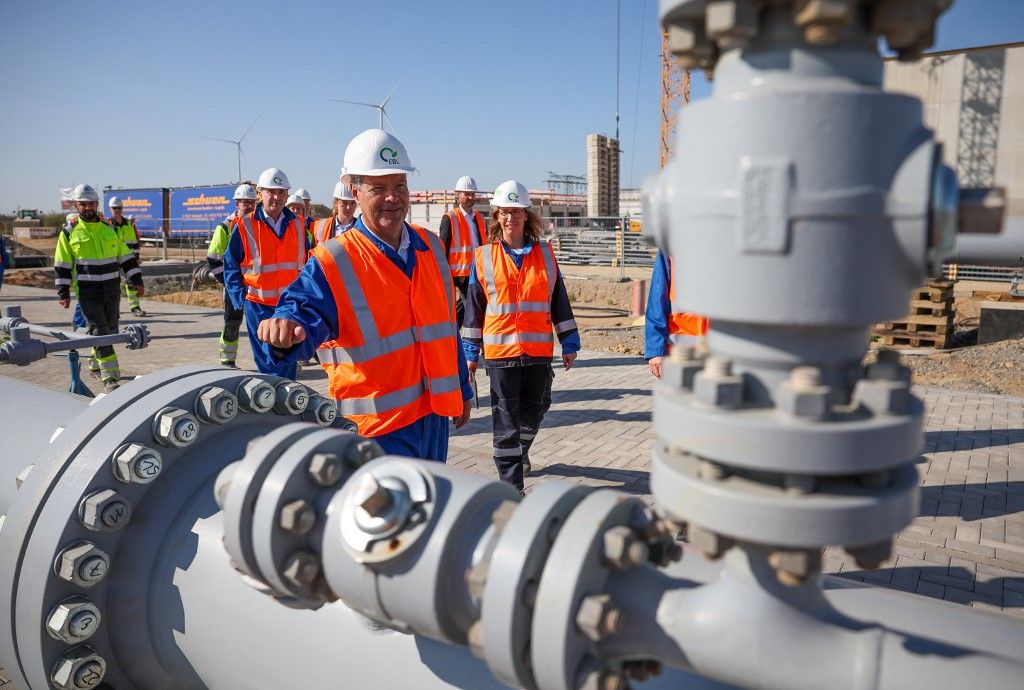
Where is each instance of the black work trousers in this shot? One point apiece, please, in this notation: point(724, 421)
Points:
point(101, 312)
point(461, 289)
point(520, 396)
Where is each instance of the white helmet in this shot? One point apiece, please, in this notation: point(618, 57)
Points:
point(303, 193)
point(273, 178)
point(84, 192)
point(466, 184)
point(343, 192)
point(245, 191)
point(511, 194)
point(374, 152)
point(114, 202)
point(294, 199)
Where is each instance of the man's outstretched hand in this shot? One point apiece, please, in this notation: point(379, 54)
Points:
point(280, 333)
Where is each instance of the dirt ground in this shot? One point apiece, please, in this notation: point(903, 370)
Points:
point(602, 304)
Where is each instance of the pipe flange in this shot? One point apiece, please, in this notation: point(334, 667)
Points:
point(288, 514)
point(576, 568)
point(514, 574)
point(380, 526)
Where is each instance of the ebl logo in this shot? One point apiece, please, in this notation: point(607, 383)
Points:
point(512, 196)
point(389, 156)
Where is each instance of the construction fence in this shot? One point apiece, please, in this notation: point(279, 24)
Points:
point(612, 242)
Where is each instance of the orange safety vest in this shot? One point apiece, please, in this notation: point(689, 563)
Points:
point(517, 320)
point(395, 359)
point(460, 253)
point(683, 327)
point(270, 263)
point(323, 228)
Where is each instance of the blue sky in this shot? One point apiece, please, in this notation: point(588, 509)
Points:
point(119, 93)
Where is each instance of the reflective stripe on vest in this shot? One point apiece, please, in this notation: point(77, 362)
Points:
point(464, 241)
point(384, 383)
point(266, 281)
point(679, 322)
point(521, 325)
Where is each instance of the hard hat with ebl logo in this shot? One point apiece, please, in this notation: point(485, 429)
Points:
point(375, 152)
point(511, 194)
point(273, 178)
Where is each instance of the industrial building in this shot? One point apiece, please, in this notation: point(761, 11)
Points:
point(602, 176)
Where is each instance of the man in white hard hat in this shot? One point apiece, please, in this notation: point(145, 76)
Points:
point(90, 259)
point(307, 213)
point(462, 230)
point(381, 294)
point(297, 206)
point(245, 202)
point(343, 218)
point(129, 234)
point(265, 253)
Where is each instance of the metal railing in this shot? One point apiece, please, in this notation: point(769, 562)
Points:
point(999, 274)
point(609, 242)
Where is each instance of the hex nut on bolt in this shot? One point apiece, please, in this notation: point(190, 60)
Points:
point(598, 617)
point(298, 517)
point(105, 511)
point(256, 395)
point(622, 550)
point(326, 469)
point(882, 396)
point(363, 452)
point(73, 620)
point(290, 398)
point(301, 569)
point(80, 669)
point(82, 564)
point(322, 410)
point(216, 405)
point(717, 385)
point(136, 464)
point(175, 427)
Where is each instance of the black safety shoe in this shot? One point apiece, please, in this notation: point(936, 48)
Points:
point(138, 311)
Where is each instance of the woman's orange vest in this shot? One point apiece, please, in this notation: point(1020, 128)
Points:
point(270, 263)
point(322, 229)
point(460, 253)
point(395, 359)
point(517, 320)
point(682, 323)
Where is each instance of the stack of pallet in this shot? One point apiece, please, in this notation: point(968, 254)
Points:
point(929, 323)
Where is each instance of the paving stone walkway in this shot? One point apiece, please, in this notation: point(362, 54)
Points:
point(967, 546)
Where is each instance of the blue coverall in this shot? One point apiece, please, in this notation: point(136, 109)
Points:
point(254, 311)
point(309, 302)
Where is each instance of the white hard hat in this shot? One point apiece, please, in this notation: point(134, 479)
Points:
point(245, 191)
point(294, 199)
point(303, 193)
point(273, 178)
point(466, 184)
point(114, 202)
point(84, 192)
point(343, 192)
point(374, 152)
point(511, 194)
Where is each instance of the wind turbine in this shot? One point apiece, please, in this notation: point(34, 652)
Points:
point(379, 106)
point(238, 145)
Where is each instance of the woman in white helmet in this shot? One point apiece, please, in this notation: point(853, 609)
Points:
point(516, 298)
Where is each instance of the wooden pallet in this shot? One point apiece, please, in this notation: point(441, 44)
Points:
point(940, 341)
point(934, 291)
point(918, 323)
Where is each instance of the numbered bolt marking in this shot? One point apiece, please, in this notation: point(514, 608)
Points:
point(186, 431)
point(81, 626)
point(114, 513)
point(148, 468)
point(93, 569)
point(89, 675)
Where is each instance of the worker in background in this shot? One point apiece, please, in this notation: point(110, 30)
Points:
point(91, 258)
point(265, 253)
point(297, 206)
point(78, 319)
point(516, 297)
point(307, 213)
point(4, 260)
point(666, 326)
point(129, 234)
point(343, 218)
point(245, 202)
point(382, 291)
point(462, 230)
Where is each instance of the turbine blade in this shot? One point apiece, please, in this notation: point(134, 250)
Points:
point(226, 141)
point(368, 105)
point(392, 91)
point(241, 138)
